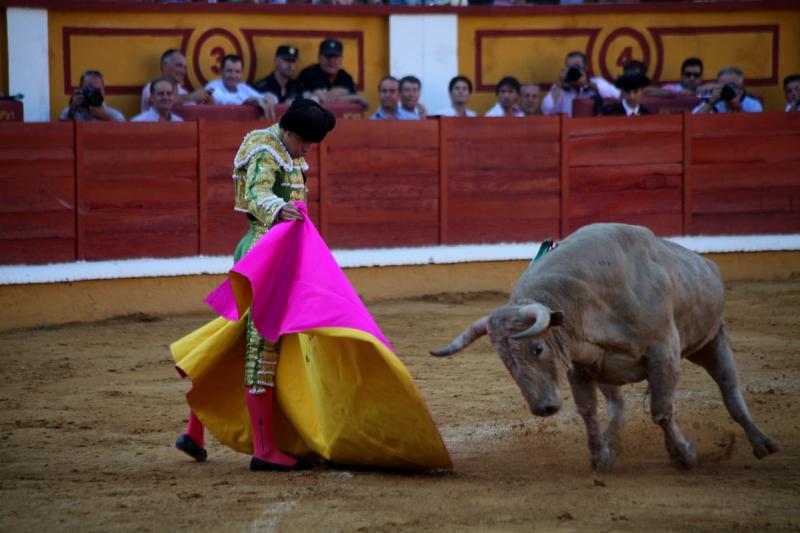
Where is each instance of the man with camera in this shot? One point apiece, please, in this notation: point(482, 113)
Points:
point(88, 101)
point(572, 83)
point(728, 95)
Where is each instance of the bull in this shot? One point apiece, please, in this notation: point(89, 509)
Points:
point(613, 304)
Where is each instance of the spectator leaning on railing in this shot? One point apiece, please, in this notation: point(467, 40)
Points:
point(280, 81)
point(572, 83)
point(229, 89)
point(88, 101)
point(410, 107)
point(791, 88)
point(389, 93)
point(728, 95)
point(326, 81)
point(161, 102)
point(173, 68)
point(460, 89)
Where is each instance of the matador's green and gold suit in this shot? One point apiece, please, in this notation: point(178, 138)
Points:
point(265, 177)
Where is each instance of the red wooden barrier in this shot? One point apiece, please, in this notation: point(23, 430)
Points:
point(137, 190)
point(102, 191)
point(502, 179)
point(11, 110)
point(657, 105)
point(625, 170)
point(380, 184)
point(743, 173)
point(37, 205)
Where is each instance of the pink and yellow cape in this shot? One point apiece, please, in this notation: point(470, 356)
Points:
point(342, 392)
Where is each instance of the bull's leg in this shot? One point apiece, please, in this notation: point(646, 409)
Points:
point(615, 405)
point(717, 358)
point(583, 389)
point(663, 370)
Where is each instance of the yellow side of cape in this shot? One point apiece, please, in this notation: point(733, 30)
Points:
point(341, 395)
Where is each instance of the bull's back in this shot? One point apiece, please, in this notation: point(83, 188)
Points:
point(645, 280)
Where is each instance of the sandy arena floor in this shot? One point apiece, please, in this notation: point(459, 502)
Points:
point(89, 412)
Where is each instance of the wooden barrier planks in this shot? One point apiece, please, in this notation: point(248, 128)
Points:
point(37, 205)
point(138, 190)
point(626, 170)
point(502, 179)
point(744, 173)
point(381, 184)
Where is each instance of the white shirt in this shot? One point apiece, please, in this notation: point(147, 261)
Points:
point(151, 116)
point(497, 111)
point(146, 96)
point(630, 110)
point(564, 103)
point(449, 111)
point(223, 96)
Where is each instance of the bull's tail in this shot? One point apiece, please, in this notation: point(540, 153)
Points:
point(478, 329)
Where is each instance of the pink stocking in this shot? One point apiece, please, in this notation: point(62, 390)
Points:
point(264, 447)
point(196, 430)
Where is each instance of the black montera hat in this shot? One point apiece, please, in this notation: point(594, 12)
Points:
point(631, 81)
point(285, 51)
point(308, 119)
point(331, 47)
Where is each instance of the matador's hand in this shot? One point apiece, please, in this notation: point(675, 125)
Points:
point(289, 212)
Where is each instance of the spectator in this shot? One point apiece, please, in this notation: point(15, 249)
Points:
point(691, 77)
point(327, 81)
point(728, 95)
point(280, 81)
point(161, 102)
point(173, 67)
point(573, 82)
point(530, 99)
point(791, 88)
point(460, 89)
point(229, 89)
point(389, 91)
point(88, 101)
point(507, 91)
point(632, 85)
point(410, 108)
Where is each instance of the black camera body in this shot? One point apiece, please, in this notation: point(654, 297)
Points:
point(92, 97)
point(728, 92)
point(574, 73)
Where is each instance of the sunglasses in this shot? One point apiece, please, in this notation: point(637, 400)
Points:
point(692, 74)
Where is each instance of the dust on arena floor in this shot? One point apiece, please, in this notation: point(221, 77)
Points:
point(90, 412)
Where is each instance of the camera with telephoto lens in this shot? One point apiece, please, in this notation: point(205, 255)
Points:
point(728, 92)
point(92, 97)
point(574, 73)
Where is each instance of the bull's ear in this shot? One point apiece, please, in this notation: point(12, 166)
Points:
point(556, 318)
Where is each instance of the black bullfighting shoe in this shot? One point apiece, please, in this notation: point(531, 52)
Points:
point(187, 445)
point(258, 465)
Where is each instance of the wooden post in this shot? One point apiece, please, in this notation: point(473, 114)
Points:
point(686, 182)
point(80, 191)
point(563, 123)
point(444, 131)
point(202, 188)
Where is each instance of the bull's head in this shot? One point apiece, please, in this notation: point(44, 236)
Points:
point(522, 337)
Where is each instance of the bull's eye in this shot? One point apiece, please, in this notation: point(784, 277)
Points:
point(537, 349)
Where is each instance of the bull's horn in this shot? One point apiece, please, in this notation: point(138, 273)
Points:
point(537, 312)
point(477, 329)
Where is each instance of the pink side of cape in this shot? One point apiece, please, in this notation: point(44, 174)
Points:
point(296, 285)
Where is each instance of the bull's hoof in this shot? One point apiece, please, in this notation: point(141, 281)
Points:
point(603, 460)
point(682, 454)
point(765, 446)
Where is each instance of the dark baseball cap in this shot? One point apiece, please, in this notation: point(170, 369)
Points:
point(285, 51)
point(330, 47)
